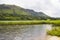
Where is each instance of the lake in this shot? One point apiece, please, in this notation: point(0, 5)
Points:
point(24, 32)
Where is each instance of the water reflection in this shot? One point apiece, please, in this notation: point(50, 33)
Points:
point(23, 32)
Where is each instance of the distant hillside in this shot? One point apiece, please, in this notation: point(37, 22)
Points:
point(12, 12)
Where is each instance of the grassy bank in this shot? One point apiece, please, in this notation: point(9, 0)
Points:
point(56, 22)
point(55, 31)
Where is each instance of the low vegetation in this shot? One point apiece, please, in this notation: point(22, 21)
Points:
point(55, 31)
point(56, 22)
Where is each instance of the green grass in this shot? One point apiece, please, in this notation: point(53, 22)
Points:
point(56, 22)
point(55, 31)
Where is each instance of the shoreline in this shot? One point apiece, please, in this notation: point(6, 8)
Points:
point(30, 22)
point(49, 37)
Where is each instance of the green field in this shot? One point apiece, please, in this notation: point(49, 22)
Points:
point(27, 22)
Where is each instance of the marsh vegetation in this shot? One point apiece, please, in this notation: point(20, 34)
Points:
point(27, 22)
point(55, 31)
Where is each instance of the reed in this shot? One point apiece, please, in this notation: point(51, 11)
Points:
point(30, 22)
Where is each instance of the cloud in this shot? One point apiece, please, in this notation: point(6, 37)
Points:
point(50, 7)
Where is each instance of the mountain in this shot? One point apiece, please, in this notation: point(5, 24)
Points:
point(13, 12)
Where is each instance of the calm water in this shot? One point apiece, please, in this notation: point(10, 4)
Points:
point(24, 32)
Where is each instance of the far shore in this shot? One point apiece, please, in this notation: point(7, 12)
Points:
point(30, 22)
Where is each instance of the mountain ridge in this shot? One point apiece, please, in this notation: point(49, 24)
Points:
point(13, 12)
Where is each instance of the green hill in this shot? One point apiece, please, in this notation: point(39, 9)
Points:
point(12, 12)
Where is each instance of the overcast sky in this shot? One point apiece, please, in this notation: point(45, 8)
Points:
point(49, 7)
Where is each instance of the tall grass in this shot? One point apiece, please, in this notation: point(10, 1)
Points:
point(56, 22)
point(55, 31)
